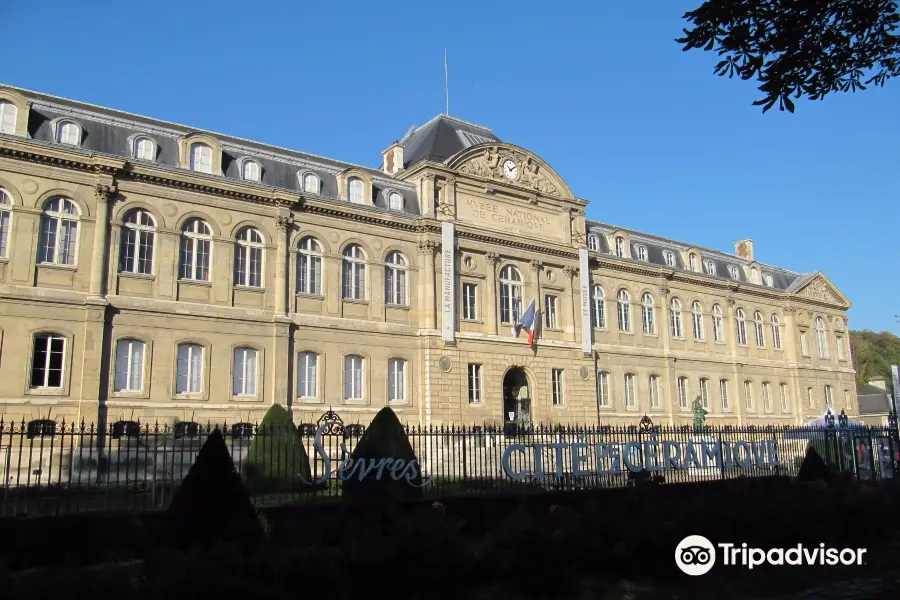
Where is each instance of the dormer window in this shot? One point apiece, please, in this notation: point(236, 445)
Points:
point(144, 148)
point(754, 275)
point(395, 201)
point(620, 247)
point(692, 262)
point(670, 258)
point(767, 277)
point(642, 252)
point(68, 132)
point(733, 271)
point(310, 183)
point(710, 267)
point(593, 243)
point(201, 158)
point(355, 190)
point(8, 113)
point(251, 171)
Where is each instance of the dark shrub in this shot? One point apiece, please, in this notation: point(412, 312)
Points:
point(212, 502)
point(277, 460)
point(813, 467)
point(384, 439)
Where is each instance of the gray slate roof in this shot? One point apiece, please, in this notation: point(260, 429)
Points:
point(442, 137)
point(872, 400)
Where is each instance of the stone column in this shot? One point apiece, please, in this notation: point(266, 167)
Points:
point(491, 260)
point(103, 192)
point(571, 309)
point(427, 249)
point(283, 223)
point(536, 268)
point(427, 196)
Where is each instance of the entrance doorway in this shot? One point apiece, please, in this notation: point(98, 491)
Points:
point(516, 397)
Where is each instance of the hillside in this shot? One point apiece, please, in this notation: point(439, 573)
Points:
point(874, 353)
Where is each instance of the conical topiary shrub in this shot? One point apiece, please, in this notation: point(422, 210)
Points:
point(813, 468)
point(212, 502)
point(277, 460)
point(385, 438)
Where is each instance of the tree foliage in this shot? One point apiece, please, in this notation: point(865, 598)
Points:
point(799, 47)
point(873, 354)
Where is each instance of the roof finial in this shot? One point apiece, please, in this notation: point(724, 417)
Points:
point(447, 81)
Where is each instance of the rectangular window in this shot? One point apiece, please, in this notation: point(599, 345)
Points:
point(723, 391)
point(603, 388)
point(129, 366)
point(829, 401)
point(353, 377)
point(557, 387)
point(767, 404)
point(244, 372)
point(470, 301)
point(704, 393)
point(550, 312)
point(307, 375)
point(654, 391)
point(810, 399)
point(396, 380)
point(629, 391)
point(475, 384)
point(189, 369)
point(682, 392)
point(47, 362)
point(840, 347)
point(804, 346)
point(782, 392)
point(748, 396)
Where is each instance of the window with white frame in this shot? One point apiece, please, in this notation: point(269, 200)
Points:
point(624, 310)
point(748, 395)
point(692, 262)
point(648, 316)
point(768, 279)
point(474, 376)
point(754, 275)
point(733, 271)
point(470, 301)
point(68, 132)
point(59, 232)
point(829, 400)
point(821, 339)
point(307, 375)
point(396, 380)
point(5, 222)
point(723, 393)
point(620, 247)
point(740, 321)
point(642, 253)
point(395, 279)
point(243, 377)
point(718, 324)
point(310, 183)
point(354, 273)
point(704, 392)
point(758, 326)
point(776, 332)
point(629, 390)
point(8, 112)
point(201, 158)
point(598, 308)
point(196, 246)
point(355, 190)
point(129, 375)
point(309, 267)
point(395, 201)
point(697, 321)
point(810, 398)
point(251, 170)
point(670, 258)
point(48, 361)
point(353, 377)
point(654, 391)
point(510, 293)
point(550, 312)
point(603, 388)
point(248, 258)
point(839, 344)
point(593, 243)
point(782, 392)
point(682, 392)
point(804, 345)
point(138, 241)
point(557, 381)
point(710, 267)
point(767, 402)
point(144, 148)
point(847, 398)
point(189, 369)
point(675, 323)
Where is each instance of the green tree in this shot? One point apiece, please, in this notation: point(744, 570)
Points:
point(873, 354)
point(277, 460)
point(800, 48)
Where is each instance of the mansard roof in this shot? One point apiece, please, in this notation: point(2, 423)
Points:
point(441, 138)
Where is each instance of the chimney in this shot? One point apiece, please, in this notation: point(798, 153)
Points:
point(878, 382)
point(744, 249)
point(393, 159)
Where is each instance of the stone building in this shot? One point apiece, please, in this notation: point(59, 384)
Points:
point(150, 271)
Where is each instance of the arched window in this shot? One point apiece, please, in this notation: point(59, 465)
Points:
point(307, 375)
point(624, 312)
point(201, 158)
point(354, 271)
point(310, 183)
point(697, 321)
point(395, 201)
point(395, 279)
point(682, 392)
point(244, 372)
point(251, 171)
point(754, 275)
point(642, 253)
point(396, 380)
point(710, 267)
point(138, 241)
point(733, 271)
point(59, 232)
point(776, 332)
point(648, 316)
point(8, 112)
point(783, 394)
point(129, 376)
point(692, 262)
point(196, 242)
point(654, 391)
point(309, 267)
point(593, 243)
point(821, 340)
point(718, 325)
point(510, 294)
point(768, 279)
point(675, 325)
point(629, 390)
point(189, 369)
point(766, 399)
point(670, 258)
point(144, 148)
point(5, 222)
point(48, 360)
point(68, 132)
point(620, 247)
point(748, 396)
point(723, 392)
point(248, 258)
point(353, 377)
point(758, 325)
point(598, 308)
point(741, 327)
point(355, 190)
point(704, 392)
point(603, 388)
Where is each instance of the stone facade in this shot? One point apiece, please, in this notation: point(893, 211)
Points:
point(103, 319)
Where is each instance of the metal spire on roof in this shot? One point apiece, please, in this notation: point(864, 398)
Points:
point(447, 81)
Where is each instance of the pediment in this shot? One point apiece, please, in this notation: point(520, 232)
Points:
point(486, 161)
point(819, 288)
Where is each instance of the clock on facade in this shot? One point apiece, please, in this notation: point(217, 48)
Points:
point(510, 169)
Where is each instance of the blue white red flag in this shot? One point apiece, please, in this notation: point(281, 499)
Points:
point(528, 321)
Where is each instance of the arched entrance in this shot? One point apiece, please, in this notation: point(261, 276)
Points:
point(516, 397)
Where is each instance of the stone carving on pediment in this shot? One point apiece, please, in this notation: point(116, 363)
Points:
point(488, 166)
point(819, 290)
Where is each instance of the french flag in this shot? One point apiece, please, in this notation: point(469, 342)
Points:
point(528, 321)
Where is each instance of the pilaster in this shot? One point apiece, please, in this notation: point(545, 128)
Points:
point(104, 192)
point(427, 250)
point(491, 260)
point(284, 223)
point(569, 304)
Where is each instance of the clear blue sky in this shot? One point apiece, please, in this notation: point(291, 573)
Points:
point(600, 90)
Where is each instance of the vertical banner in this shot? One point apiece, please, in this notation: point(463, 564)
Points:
point(895, 375)
point(448, 279)
point(584, 276)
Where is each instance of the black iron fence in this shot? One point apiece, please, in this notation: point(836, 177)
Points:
point(51, 468)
